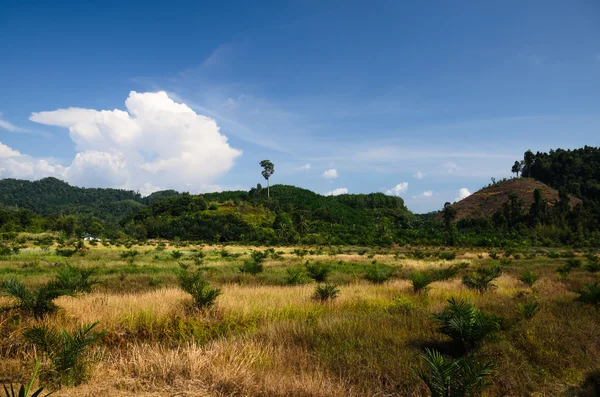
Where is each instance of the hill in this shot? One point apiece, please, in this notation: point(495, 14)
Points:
point(487, 201)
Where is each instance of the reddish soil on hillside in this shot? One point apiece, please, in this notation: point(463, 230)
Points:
point(485, 202)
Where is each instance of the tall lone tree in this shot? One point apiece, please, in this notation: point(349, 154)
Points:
point(268, 170)
point(529, 159)
point(516, 168)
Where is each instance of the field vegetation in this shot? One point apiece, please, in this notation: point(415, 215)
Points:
point(194, 320)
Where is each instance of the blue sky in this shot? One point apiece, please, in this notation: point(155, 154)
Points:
point(418, 99)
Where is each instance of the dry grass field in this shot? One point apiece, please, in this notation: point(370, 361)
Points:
point(265, 337)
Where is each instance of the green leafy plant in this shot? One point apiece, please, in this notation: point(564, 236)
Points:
point(76, 279)
point(176, 254)
point(39, 302)
point(592, 267)
point(447, 377)
point(196, 285)
point(317, 271)
point(24, 390)
point(481, 279)
point(64, 350)
point(574, 263)
point(528, 277)
point(378, 274)
point(590, 294)
point(447, 256)
point(295, 276)
point(445, 273)
point(420, 282)
point(129, 256)
point(528, 309)
point(563, 271)
point(466, 325)
point(251, 266)
point(494, 255)
point(326, 292)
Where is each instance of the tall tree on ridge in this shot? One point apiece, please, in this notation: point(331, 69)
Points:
point(268, 170)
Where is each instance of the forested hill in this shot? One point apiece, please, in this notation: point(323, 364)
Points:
point(52, 196)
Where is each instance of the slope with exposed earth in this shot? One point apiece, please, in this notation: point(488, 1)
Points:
point(485, 202)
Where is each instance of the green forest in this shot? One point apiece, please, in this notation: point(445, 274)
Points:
point(286, 215)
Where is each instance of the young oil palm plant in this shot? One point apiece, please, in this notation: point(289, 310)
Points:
point(528, 277)
point(64, 350)
point(466, 325)
point(317, 271)
point(196, 285)
point(38, 302)
point(76, 279)
point(481, 280)
point(24, 390)
point(447, 377)
point(420, 282)
point(590, 294)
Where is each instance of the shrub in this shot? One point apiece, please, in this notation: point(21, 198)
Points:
point(481, 280)
point(528, 277)
point(494, 255)
point(300, 252)
point(258, 256)
point(325, 292)
point(466, 325)
point(76, 279)
point(420, 282)
point(563, 271)
point(590, 294)
point(196, 285)
point(528, 309)
point(447, 256)
point(38, 303)
point(574, 263)
point(65, 350)
point(446, 377)
point(444, 273)
point(592, 267)
point(378, 274)
point(553, 255)
point(129, 256)
point(318, 271)
point(295, 276)
point(251, 267)
point(176, 254)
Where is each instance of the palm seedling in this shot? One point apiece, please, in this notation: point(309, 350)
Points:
point(317, 271)
point(447, 377)
point(466, 325)
point(38, 302)
point(592, 266)
point(528, 309)
point(563, 271)
point(76, 279)
point(528, 277)
point(196, 285)
point(295, 276)
point(590, 294)
point(325, 292)
point(65, 350)
point(378, 274)
point(420, 282)
point(24, 390)
point(481, 280)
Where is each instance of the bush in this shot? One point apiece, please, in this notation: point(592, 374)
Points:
point(563, 271)
point(481, 280)
point(466, 325)
point(196, 285)
point(317, 271)
point(251, 267)
point(444, 273)
point(447, 256)
point(494, 255)
point(378, 274)
point(129, 256)
point(590, 294)
point(528, 309)
point(295, 276)
point(446, 377)
point(574, 263)
point(325, 292)
point(38, 303)
point(553, 255)
point(528, 277)
point(420, 282)
point(176, 254)
point(65, 350)
point(76, 279)
point(592, 267)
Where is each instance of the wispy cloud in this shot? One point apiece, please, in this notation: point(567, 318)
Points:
point(11, 127)
point(418, 175)
point(304, 167)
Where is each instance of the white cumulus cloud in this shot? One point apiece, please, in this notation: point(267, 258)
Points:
point(398, 189)
point(330, 174)
point(463, 193)
point(418, 175)
point(337, 192)
point(156, 143)
point(304, 167)
point(428, 193)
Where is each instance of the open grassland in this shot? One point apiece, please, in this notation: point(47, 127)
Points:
point(266, 336)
